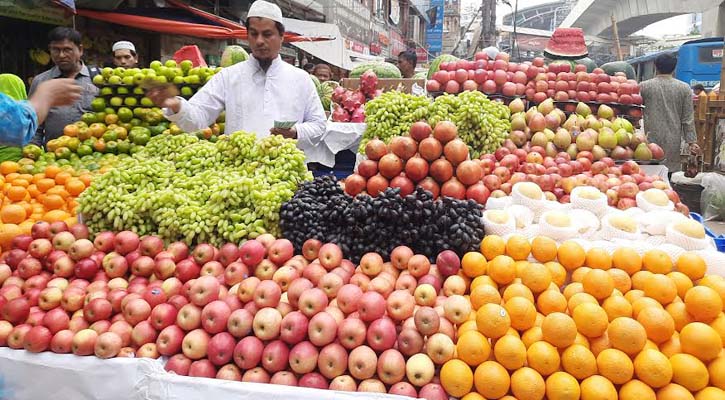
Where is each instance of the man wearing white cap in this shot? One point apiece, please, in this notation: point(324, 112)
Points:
point(124, 54)
point(255, 93)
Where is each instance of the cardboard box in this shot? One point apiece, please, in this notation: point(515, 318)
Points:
point(386, 84)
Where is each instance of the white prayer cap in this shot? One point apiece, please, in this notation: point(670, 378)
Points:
point(265, 9)
point(123, 45)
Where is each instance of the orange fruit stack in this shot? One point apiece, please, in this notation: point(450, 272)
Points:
point(560, 322)
point(25, 199)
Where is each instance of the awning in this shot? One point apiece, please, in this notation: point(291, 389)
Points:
point(332, 51)
point(212, 27)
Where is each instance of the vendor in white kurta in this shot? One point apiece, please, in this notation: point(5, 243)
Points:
point(255, 93)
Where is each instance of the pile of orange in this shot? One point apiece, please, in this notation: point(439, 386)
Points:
point(559, 322)
point(25, 199)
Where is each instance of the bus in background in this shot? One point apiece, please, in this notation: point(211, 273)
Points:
point(698, 61)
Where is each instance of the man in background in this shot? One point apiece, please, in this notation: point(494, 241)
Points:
point(668, 115)
point(407, 61)
point(66, 51)
point(124, 54)
point(323, 72)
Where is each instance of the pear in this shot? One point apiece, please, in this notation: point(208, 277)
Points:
point(691, 228)
point(546, 106)
point(549, 134)
point(517, 105)
point(656, 196)
point(605, 112)
point(562, 138)
point(539, 139)
point(558, 219)
point(623, 137)
point(583, 109)
point(518, 122)
point(589, 193)
point(642, 152)
point(571, 123)
point(607, 138)
point(530, 190)
point(623, 223)
point(586, 140)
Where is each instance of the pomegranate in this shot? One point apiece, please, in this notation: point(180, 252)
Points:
point(367, 168)
point(376, 185)
point(430, 185)
point(456, 151)
point(445, 131)
point(354, 184)
point(441, 170)
point(430, 149)
point(420, 130)
point(375, 149)
point(469, 172)
point(453, 188)
point(416, 168)
point(404, 183)
point(390, 166)
point(403, 147)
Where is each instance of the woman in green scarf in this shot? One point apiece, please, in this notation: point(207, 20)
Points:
point(13, 87)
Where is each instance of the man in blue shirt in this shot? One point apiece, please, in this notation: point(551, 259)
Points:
point(20, 119)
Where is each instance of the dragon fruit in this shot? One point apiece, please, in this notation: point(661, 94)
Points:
point(352, 100)
point(338, 94)
point(339, 114)
point(377, 93)
point(358, 115)
point(368, 83)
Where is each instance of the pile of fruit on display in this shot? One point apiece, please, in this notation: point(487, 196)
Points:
point(183, 188)
point(527, 319)
point(482, 124)
point(433, 159)
point(50, 195)
point(599, 133)
point(349, 105)
point(183, 74)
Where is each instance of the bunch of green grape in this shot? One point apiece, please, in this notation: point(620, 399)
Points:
point(391, 114)
point(195, 191)
point(482, 123)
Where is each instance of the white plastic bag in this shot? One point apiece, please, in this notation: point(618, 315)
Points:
point(712, 200)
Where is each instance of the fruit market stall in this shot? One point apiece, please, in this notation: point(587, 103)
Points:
point(480, 250)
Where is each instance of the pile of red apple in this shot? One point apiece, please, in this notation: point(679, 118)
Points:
point(434, 159)
point(497, 76)
point(255, 313)
point(558, 176)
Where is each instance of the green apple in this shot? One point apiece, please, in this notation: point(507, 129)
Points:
point(122, 91)
point(170, 64)
point(107, 72)
point(186, 65)
point(187, 91)
point(179, 80)
point(116, 101)
point(106, 91)
point(99, 80)
point(119, 71)
point(128, 80)
point(130, 101)
point(155, 65)
point(138, 91)
point(114, 80)
point(146, 102)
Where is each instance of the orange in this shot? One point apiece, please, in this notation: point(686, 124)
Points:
point(59, 190)
point(672, 346)
point(53, 202)
point(473, 263)
point(21, 182)
point(16, 193)
point(469, 325)
point(636, 390)
point(473, 396)
point(482, 280)
point(617, 306)
point(572, 289)
point(710, 393)
point(627, 260)
point(62, 177)
point(716, 283)
point(492, 246)
point(579, 274)
point(700, 340)
point(517, 290)
point(615, 365)
point(543, 249)
point(75, 186)
point(51, 171)
point(492, 320)
point(621, 279)
point(689, 372)
point(674, 391)
point(691, 265)
point(658, 323)
point(682, 282)
point(598, 283)
point(591, 320)
point(579, 361)
point(492, 380)
point(551, 301)
point(642, 303)
point(558, 273)
point(536, 277)
point(639, 278)
point(531, 336)
point(559, 329)
point(56, 215)
point(596, 345)
point(522, 313)
point(527, 384)
point(703, 303)
point(518, 247)
point(562, 386)
point(582, 340)
point(657, 261)
point(33, 191)
point(660, 288)
point(473, 348)
point(653, 368)
point(719, 326)
point(456, 378)
point(678, 312)
point(598, 258)
point(627, 335)
point(543, 357)
point(12, 214)
point(597, 387)
point(581, 298)
point(510, 352)
point(8, 167)
point(716, 369)
point(86, 179)
point(571, 255)
point(502, 270)
point(484, 294)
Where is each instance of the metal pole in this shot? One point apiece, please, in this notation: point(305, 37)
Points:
point(515, 44)
point(615, 33)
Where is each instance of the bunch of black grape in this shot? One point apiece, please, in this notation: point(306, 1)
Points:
point(321, 210)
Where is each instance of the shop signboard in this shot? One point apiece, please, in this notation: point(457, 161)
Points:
point(34, 10)
point(397, 44)
point(434, 29)
point(375, 48)
point(352, 18)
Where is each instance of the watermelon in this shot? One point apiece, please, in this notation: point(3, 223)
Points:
point(233, 54)
point(572, 64)
point(324, 90)
point(436, 63)
point(381, 69)
point(613, 67)
point(588, 62)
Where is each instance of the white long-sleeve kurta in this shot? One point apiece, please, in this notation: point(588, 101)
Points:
point(253, 100)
